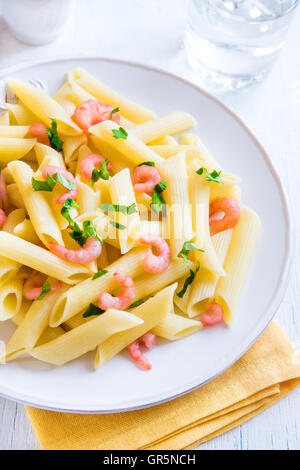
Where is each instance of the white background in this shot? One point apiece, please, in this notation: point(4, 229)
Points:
point(151, 32)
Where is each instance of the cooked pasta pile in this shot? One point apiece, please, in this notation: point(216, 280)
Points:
point(113, 231)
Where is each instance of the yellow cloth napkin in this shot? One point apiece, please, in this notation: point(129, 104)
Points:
point(265, 374)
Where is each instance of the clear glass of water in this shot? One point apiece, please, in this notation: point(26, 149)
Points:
point(233, 43)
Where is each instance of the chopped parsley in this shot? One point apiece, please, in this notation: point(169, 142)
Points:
point(65, 212)
point(81, 236)
point(92, 310)
point(101, 173)
point(147, 163)
point(117, 225)
point(189, 280)
point(55, 142)
point(126, 210)
point(49, 183)
point(187, 247)
point(137, 303)
point(120, 133)
point(116, 110)
point(214, 176)
point(157, 198)
point(45, 289)
point(99, 274)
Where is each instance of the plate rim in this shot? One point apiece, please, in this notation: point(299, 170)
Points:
point(271, 309)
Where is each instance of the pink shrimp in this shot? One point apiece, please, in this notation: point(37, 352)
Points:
point(89, 163)
point(107, 301)
point(92, 112)
point(213, 315)
point(232, 213)
point(91, 251)
point(2, 217)
point(144, 178)
point(4, 200)
point(134, 349)
point(40, 132)
point(51, 170)
point(32, 288)
point(156, 263)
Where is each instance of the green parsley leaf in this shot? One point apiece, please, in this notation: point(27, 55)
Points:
point(65, 212)
point(126, 210)
point(137, 303)
point(77, 235)
point(117, 225)
point(55, 142)
point(90, 231)
point(99, 274)
point(147, 163)
point(214, 176)
point(116, 110)
point(101, 173)
point(188, 281)
point(157, 198)
point(120, 133)
point(92, 310)
point(187, 247)
point(43, 185)
point(45, 289)
point(64, 181)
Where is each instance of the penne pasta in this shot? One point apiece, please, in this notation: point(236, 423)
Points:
point(85, 338)
point(26, 231)
point(175, 327)
point(152, 312)
point(14, 148)
point(10, 298)
point(14, 131)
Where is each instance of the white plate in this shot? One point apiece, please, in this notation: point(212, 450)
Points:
point(181, 366)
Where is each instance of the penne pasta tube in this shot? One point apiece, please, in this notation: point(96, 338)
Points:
point(87, 198)
point(26, 231)
point(42, 260)
point(14, 218)
point(21, 115)
point(79, 297)
point(14, 149)
point(174, 172)
point(71, 144)
point(7, 175)
point(39, 210)
point(172, 123)
point(14, 131)
point(42, 151)
point(237, 263)
point(32, 326)
point(43, 106)
point(127, 226)
point(15, 197)
point(130, 110)
point(202, 291)
point(4, 118)
point(132, 148)
point(86, 337)
point(152, 312)
point(10, 298)
point(8, 269)
point(175, 327)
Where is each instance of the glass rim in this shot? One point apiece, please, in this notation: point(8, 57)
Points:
point(256, 20)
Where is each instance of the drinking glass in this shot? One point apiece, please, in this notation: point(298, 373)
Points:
point(233, 43)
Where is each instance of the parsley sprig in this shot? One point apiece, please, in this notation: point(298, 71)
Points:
point(120, 133)
point(65, 211)
point(45, 289)
point(214, 176)
point(101, 173)
point(116, 110)
point(137, 303)
point(189, 280)
point(117, 225)
point(55, 141)
point(81, 236)
point(99, 274)
point(49, 183)
point(126, 210)
point(92, 310)
point(157, 198)
point(147, 163)
point(187, 247)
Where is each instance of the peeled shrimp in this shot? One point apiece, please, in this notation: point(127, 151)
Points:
point(156, 263)
point(92, 112)
point(149, 341)
point(213, 315)
point(32, 288)
point(51, 170)
point(40, 132)
point(2, 217)
point(107, 301)
point(232, 213)
point(91, 251)
point(144, 178)
point(89, 163)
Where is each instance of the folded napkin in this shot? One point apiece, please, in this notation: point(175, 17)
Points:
point(264, 375)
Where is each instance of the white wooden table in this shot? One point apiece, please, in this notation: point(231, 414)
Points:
point(151, 32)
